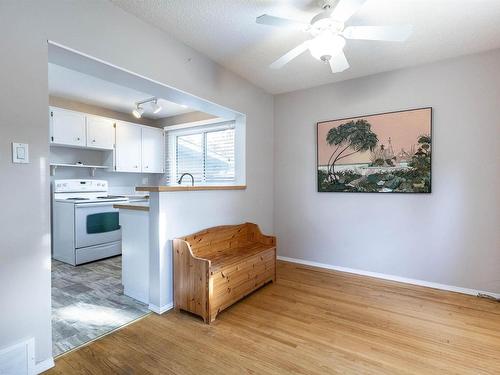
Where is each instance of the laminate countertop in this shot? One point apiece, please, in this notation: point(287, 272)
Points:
point(160, 189)
point(136, 206)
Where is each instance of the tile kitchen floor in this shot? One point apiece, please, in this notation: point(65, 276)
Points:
point(88, 301)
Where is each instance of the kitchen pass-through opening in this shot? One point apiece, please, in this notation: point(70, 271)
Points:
point(109, 134)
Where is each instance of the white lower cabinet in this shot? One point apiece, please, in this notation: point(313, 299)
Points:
point(128, 147)
point(135, 254)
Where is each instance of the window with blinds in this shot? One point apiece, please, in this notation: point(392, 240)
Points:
point(206, 152)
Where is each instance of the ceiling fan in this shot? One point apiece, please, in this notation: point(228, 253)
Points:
point(329, 33)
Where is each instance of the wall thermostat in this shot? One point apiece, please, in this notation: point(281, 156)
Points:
point(20, 153)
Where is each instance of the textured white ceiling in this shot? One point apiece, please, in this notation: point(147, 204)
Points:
point(225, 30)
point(73, 85)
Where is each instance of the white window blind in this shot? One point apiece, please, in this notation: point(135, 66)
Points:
point(207, 152)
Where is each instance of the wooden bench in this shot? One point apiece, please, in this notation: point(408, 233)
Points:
point(217, 267)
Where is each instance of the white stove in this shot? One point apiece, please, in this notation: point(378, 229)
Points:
point(85, 225)
point(84, 191)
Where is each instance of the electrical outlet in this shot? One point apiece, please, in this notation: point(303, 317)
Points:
point(145, 180)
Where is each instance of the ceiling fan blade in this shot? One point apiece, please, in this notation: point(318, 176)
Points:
point(339, 63)
point(346, 8)
point(384, 33)
point(266, 19)
point(290, 55)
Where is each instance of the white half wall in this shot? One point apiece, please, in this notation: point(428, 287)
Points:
point(101, 30)
point(448, 237)
point(178, 214)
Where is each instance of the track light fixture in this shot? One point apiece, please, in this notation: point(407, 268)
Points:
point(155, 107)
point(139, 109)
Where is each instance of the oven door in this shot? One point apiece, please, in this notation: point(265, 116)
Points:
point(96, 223)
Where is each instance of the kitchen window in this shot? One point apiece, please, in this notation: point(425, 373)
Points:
point(207, 152)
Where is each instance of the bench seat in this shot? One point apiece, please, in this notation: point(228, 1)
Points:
point(236, 255)
point(215, 268)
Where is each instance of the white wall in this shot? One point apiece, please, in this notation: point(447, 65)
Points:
point(178, 214)
point(451, 236)
point(101, 30)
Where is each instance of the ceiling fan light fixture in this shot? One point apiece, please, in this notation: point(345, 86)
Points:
point(329, 33)
point(326, 45)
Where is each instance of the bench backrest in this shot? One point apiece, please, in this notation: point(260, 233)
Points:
point(222, 238)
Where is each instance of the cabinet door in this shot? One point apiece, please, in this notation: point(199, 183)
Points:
point(128, 147)
point(153, 146)
point(100, 132)
point(67, 127)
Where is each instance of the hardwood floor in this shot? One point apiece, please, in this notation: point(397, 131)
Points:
point(311, 321)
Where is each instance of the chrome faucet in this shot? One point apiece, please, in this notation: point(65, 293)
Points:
point(186, 174)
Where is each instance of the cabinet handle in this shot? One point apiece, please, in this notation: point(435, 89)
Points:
point(78, 139)
point(93, 141)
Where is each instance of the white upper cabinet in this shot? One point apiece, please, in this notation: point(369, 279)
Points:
point(100, 133)
point(128, 147)
point(67, 127)
point(153, 150)
point(138, 148)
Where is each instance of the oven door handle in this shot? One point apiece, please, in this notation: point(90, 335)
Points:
point(85, 205)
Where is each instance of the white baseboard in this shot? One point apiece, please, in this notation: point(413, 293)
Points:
point(44, 365)
point(18, 358)
point(161, 309)
point(400, 279)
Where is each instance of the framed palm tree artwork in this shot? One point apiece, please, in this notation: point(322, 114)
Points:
point(382, 153)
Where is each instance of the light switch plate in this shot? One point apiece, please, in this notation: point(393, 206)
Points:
point(20, 153)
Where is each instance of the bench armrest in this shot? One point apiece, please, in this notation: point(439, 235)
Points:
point(256, 235)
point(188, 295)
point(267, 240)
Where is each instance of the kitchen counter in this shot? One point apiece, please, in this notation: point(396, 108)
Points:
point(137, 206)
point(138, 197)
point(160, 189)
point(175, 210)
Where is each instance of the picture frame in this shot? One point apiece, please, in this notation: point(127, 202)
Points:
point(389, 152)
